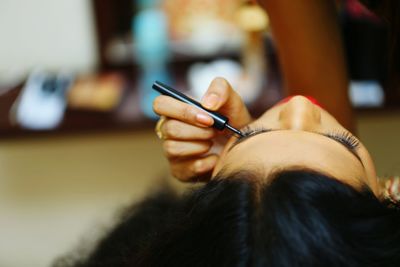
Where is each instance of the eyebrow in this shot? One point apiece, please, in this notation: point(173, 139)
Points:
point(325, 135)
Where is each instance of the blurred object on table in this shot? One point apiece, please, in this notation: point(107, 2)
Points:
point(248, 75)
point(196, 29)
point(42, 102)
point(203, 27)
point(97, 92)
point(367, 94)
point(254, 21)
point(201, 74)
point(152, 52)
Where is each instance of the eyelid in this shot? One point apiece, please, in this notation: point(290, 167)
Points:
point(249, 132)
point(255, 131)
point(352, 150)
point(344, 137)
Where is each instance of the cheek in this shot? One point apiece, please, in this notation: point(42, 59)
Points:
point(329, 122)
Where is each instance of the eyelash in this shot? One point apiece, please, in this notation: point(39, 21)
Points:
point(248, 131)
point(343, 137)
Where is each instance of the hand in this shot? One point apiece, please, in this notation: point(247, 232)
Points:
point(391, 188)
point(187, 134)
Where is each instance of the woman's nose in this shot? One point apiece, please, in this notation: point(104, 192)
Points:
point(299, 113)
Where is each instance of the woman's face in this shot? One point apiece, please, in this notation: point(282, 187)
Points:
point(299, 134)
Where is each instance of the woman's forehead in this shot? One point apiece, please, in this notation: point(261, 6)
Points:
point(292, 149)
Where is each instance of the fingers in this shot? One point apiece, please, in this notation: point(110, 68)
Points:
point(392, 188)
point(172, 108)
point(220, 96)
point(217, 94)
point(186, 132)
point(181, 149)
point(185, 147)
point(177, 130)
point(193, 169)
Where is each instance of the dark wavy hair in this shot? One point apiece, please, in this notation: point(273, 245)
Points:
point(300, 218)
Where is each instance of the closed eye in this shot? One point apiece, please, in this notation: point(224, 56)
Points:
point(345, 139)
point(249, 132)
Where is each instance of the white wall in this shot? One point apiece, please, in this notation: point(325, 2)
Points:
point(52, 34)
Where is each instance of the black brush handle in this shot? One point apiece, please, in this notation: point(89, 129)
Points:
point(220, 121)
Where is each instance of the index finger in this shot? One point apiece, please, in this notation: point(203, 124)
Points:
point(172, 108)
point(221, 97)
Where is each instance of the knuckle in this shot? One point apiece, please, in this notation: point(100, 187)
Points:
point(177, 173)
point(157, 103)
point(195, 168)
point(181, 178)
point(207, 146)
point(220, 81)
point(220, 84)
point(187, 113)
point(171, 129)
point(208, 134)
point(171, 148)
point(168, 147)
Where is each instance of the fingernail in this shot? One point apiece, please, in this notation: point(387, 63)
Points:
point(204, 119)
point(210, 101)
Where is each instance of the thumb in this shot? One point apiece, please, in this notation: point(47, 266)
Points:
point(221, 97)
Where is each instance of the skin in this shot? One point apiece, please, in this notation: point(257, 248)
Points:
point(311, 54)
point(296, 142)
point(191, 145)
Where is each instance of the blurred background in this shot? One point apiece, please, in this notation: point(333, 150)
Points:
point(76, 124)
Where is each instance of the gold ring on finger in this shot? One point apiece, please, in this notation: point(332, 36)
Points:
point(159, 126)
